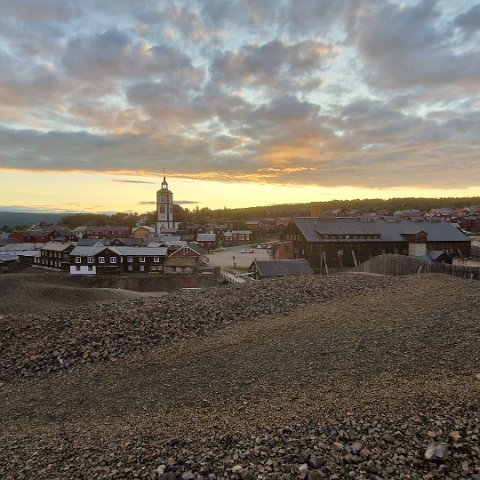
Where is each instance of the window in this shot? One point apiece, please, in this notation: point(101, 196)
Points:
point(78, 268)
point(142, 268)
point(156, 259)
point(101, 259)
point(129, 259)
point(130, 268)
point(89, 259)
point(90, 268)
point(142, 259)
point(113, 259)
point(78, 259)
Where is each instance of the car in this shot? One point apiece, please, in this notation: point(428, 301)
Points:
point(251, 250)
point(243, 250)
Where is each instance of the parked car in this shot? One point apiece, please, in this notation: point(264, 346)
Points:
point(251, 250)
point(243, 250)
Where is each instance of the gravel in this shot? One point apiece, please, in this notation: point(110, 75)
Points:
point(371, 378)
point(37, 345)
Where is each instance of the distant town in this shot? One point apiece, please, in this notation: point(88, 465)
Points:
point(314, 239)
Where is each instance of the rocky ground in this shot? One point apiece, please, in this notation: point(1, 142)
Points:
point(351, 376)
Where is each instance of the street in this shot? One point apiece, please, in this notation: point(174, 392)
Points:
point(232, 258)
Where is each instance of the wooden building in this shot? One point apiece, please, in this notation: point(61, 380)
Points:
point(333, 242)
point(207, 240)
point(191, 250)
point(102, 260)
point(185, 265)
point(279, 268)
point(105, 231)
point(237, 237)
point(54, 255)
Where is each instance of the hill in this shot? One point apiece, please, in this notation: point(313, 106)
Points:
point(352, 376)
point(23, 293)
point(13, 219)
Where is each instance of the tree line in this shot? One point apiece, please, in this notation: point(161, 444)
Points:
point(206, 215)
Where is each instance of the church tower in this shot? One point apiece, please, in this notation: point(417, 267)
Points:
point(165, 221)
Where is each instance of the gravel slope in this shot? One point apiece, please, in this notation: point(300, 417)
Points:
point(24, 293)
point(357, 385)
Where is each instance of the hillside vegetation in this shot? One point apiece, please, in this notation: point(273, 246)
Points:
point(204, 215)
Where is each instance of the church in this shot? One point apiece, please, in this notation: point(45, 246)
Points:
point(165, 221)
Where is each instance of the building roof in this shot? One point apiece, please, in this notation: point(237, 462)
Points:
point(387, 231)
point(57, 246)
point(197, 248)
point(280, 268)
point(106, 228)
point(435, 254)
point(141, 251)
point(91, 242)
point(127, 242)
point(206, 237)
point(238, 232)
point(122, 251)
point(88, 251)
point(20, 247)
point(144, 227)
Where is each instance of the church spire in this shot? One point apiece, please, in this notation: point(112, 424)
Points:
point(164, 184)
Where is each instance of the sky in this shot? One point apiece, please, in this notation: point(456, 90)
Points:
point(238, 102)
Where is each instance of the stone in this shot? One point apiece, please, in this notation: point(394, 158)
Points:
point(245, 474)
point(315, 462)
point(436, 452)
point(356, 447)
point(455, 436)
point(303, 467)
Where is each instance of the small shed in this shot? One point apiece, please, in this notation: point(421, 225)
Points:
point(280, 268)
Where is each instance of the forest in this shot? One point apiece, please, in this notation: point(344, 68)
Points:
point(206, 215)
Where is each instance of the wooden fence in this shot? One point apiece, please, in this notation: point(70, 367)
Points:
point(391, 264)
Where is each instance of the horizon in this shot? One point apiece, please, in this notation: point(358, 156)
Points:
point(6, 210)
point(253, 104)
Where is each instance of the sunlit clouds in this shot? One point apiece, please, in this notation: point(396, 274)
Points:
point(352, 97)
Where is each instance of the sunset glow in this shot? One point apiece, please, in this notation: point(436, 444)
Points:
point(259, 103)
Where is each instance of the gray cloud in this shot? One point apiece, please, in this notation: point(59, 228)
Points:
point(410, 47)
point(352, 92)
point(274, 64)
point(186, 202)
point(469, 21)
point(133, 181)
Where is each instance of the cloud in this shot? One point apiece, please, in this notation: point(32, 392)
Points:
point(412, 46)
point(186, 202)
point(133, 181)
point(469, 21)
point(274, 65)
point(352, 92)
